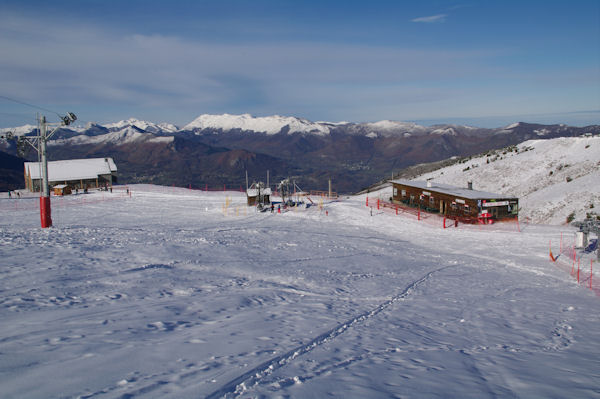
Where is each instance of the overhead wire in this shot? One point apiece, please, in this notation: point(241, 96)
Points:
point(29, 105)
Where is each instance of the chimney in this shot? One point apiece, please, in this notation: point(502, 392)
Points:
point(428, 182)
point(470, 185)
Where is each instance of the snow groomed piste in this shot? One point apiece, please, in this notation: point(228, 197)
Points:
point(181, 293)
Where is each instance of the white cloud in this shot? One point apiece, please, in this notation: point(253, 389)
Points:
point(431, 19)
point(92, 64)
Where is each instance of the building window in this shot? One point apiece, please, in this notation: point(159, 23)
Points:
point(395, 191)
point(403, 193)
point(431, 200)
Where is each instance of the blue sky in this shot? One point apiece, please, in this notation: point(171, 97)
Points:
point(484, 63)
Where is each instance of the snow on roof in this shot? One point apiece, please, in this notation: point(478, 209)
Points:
point(452, 190)
point(73, 169)
point(252, 192)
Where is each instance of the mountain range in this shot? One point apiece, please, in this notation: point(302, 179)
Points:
point(217, 150)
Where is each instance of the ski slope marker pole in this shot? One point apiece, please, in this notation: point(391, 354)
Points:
point(578, 264)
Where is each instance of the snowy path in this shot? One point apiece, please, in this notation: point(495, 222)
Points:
point(161, 295)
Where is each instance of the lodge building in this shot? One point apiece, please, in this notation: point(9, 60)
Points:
point(75, 173)
point(454, 201)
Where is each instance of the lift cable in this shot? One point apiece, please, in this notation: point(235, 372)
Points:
point(30, 105)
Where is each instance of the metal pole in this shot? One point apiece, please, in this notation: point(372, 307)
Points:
point(45, 188)
point(45, 212)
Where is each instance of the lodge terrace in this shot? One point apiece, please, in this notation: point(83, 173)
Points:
point(455, 202)
point(76, 173)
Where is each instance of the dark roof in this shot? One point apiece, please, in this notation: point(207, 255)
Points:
point(461, 192)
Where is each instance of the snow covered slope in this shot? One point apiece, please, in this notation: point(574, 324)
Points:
point(552, 178)
point(246, 122)
point(143, 125)
point(175, 293)
point(125, 135)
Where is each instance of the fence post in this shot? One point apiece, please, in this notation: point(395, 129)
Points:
point(444, 222)
point(367, 201)
point(377, 203)
point(578, 264)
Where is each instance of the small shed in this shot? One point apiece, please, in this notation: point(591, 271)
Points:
point(455, 201)
point(62, 189)
point(258, 195)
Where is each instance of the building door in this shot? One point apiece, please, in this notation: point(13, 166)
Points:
point(493, 211)
point(443, 207)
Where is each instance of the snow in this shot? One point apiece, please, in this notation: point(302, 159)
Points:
point(18, 131)
point(125, 135)
point(552, 178)
point(177, 293)
point(387, 125)
point(252, 192)
point(246, 122)
point(143, 125)
point(449, 131)
point(512, 126)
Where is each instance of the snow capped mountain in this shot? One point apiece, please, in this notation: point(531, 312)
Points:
point(18, 131)
point(143, 125)
point(512, 126)
point(125, 135)
point(552, 178)
point(388, 125)
point(246, 122)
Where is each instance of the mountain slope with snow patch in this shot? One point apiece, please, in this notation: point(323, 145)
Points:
point(125, 135)
point(246, 122)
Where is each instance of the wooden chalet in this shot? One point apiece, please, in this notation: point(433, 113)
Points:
point(62, 189)
point(455, 202)
point(76, 173)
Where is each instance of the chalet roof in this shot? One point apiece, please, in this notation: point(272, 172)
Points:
point(461, 192)
point(73, 169)
point(252, 192)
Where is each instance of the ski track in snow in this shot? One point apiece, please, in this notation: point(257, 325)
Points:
point(239, 385)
